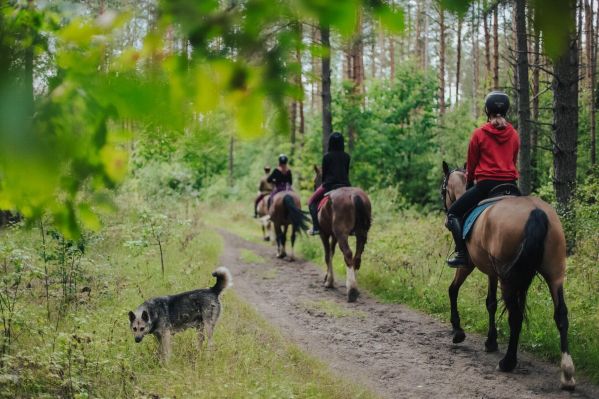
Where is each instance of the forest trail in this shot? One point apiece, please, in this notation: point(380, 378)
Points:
point(393, 350)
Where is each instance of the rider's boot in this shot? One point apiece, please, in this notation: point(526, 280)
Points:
point(314, 213)
point(460, 258)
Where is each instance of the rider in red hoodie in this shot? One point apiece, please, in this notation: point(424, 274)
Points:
point(492, 157)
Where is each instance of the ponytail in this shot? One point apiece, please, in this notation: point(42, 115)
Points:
point(498, 121)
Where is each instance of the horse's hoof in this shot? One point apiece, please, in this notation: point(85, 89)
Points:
point(459, 336)
point(568, 385)
point(266, 238)
point(491, 347)
point(291, 259)
point(280, 256)
point(507, 365)
point(352, 295)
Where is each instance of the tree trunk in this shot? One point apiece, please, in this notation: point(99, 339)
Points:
point(495, 48)
point(534, 133)
point(28, 70)
point(441, 60)
point(487, 50)
point(327, 119)
point(565, 125)
point(592, 45)
point(231, 160)
point(392, 57)
point(458, 61)
point(523, 98)
point(475, 58)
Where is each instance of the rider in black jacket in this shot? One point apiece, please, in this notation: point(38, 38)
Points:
point(335, 174)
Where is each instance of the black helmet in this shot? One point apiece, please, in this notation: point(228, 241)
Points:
point(497, 103)
point(336, 142)
point(283, 159)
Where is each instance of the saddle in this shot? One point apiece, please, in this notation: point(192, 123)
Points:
point(326, 195)
point(497, 194)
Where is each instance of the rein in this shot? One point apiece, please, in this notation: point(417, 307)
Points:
point(444, 188)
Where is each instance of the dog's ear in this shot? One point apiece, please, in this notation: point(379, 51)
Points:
point(131, 317)
point(445, 168)
point(145, 316)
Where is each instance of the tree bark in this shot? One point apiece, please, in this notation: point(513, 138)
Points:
point(534, 133)
point(487, 49)
point(231, 160)
point(523, 98)
point(458, 61)
point(327, 119)
point(441, 60)
point(565, 125)
point(592, 77)
point(495, 48)
point(475, 58)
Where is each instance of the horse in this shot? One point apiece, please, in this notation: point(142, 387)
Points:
point(347, 212)
point(511, 242)
point(286, 210)
point(264, 218)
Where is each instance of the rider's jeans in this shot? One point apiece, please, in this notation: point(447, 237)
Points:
point(317, 196)
point(473, 196)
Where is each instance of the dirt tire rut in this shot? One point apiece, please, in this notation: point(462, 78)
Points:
point(395, 351)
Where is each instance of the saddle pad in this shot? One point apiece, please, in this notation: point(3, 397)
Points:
point(473, 215)
point(323, 202)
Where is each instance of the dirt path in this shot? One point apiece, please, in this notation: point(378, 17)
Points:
point(395, 351)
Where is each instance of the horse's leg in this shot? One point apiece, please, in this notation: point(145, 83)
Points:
point(283, 253)
point(278, 236)
point(561, 320)
point(360, 243)
point(350, 282)
point(515, 318)
point(460, 275)
point(328, 258)
point(293, 235)
point(491, 342)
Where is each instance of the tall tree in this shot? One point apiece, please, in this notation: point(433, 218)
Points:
point(442, 28)
point(327, 118)
point(523, 98)
point(495, 47)
point(487, 47)
point(458, 60)
point(565, 122)
point(591, 50)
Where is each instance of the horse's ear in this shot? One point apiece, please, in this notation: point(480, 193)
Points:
point(316, 169)
point(465, 164)
point(445, 168)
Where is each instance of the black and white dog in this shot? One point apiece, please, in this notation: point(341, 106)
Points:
point(166, 315)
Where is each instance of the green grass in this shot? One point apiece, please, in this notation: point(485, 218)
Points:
point(248, 256)
point(404, 262)
point(90, 352)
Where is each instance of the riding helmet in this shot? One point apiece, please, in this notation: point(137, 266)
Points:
point(283, 159)
point(497, 103)
point(336, 142)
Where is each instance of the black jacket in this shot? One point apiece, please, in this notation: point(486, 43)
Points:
point(278, 178)
point(335, 164)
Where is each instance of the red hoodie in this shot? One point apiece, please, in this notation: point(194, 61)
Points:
point(493, 154)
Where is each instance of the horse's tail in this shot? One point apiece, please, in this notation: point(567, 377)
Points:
point(519, 276)
point(297, 217)
point(363, 218)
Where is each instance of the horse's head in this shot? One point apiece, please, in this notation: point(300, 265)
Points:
point(317, 177)
point(453, 186)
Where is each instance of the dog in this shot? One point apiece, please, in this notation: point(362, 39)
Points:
point(166, 315)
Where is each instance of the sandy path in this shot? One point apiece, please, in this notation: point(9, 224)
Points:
point(395, 351)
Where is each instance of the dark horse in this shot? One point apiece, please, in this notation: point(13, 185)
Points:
point(286, 210)
point(347, 211)
point(511, 242)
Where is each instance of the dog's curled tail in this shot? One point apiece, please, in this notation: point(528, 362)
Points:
point(223, 279)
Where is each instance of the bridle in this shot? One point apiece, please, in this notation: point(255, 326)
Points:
point(444, 188)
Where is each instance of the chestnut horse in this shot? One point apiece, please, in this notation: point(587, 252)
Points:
point(511, 242)
point(348, 211)
point(286, 210)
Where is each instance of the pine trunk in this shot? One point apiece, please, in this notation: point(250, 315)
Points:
point(565, 125)
point(487, 50)
point(327, 119)
point(523, 98)
point(495, 48)
point(441, 60)
point(458, 61)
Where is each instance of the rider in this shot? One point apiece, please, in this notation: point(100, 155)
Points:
point(281, 177)
point(492, 157)
point(335, 174)
point(264, 189)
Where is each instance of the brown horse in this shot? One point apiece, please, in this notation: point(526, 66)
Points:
point(347, 212)
point(286, 210)
point(511, 242)
point(264, 218)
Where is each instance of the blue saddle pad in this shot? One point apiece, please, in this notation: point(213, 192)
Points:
point(472, 216)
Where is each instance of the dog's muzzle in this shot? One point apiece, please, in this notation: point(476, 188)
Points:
point(138, 339)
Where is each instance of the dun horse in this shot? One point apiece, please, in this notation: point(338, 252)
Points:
point(347, 211)
point(286, 210)
point(511, 242)
point(264, 218)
